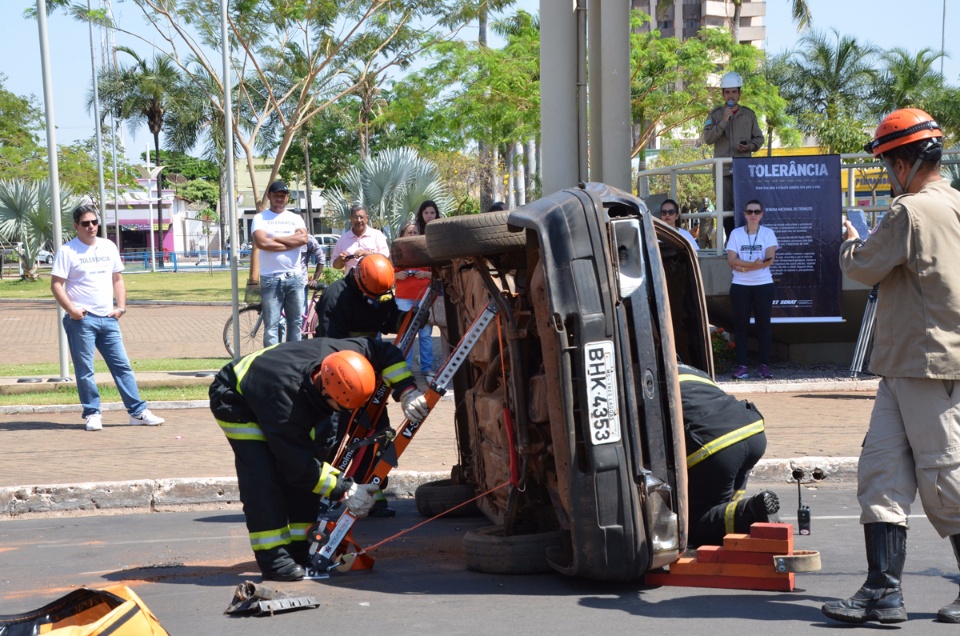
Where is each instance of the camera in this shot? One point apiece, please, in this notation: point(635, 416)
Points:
point(411, 272)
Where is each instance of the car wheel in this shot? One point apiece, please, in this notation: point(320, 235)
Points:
point(411, 251)
point(439, 496)
point(489, 550)
point(484, 234)
point(49, 260)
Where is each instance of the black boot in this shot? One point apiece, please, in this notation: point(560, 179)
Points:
point(299, 552)
point(880, 599)
point(763, 507)
point(276, 564)
point(951, 613)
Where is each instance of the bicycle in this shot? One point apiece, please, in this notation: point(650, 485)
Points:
point(251, 321)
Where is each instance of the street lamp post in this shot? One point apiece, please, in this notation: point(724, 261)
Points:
point(150, 173)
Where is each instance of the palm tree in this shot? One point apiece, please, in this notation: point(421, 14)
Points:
point(908, 80)
point(391, 184)
point(830, 77)
point(143, 93)
point(25, 218)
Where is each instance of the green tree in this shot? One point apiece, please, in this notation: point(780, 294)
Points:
point(334, 36)
point(21, 121)
point(692, 189)
point(142, 93)
point(391, 184)
point(334, 148)
point(908, 80)
point(659, 65)
point(830, 87)
point(25, 218)
point(201, 190)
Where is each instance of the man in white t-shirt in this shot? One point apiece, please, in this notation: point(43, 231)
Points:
point(359, 240)
point(279, 235)
point(86, 279)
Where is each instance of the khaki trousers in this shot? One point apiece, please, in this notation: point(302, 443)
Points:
point(913, 443)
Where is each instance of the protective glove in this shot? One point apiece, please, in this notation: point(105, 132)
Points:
point(360, 499)
point(414, 405)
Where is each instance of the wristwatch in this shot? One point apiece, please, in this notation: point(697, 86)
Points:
point(123, 310)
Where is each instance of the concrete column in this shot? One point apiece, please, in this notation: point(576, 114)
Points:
point(595, 38)
point(615, 92)
point(558, 94)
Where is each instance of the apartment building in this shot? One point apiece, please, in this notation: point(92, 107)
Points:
point(695, 14)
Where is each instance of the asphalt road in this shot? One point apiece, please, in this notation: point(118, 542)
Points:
point(186, 565)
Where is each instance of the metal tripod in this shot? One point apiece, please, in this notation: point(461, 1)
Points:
point(865, 339)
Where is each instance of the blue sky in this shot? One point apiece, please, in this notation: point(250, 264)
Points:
point(884, 22)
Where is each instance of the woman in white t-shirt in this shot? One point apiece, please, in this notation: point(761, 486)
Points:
point(750, 252)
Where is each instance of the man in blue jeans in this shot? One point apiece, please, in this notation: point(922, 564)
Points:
point(279, 235)
point(86, 279)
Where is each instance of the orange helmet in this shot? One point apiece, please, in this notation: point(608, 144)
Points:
point(902, 127)
point(348, 378)
point(375, 275)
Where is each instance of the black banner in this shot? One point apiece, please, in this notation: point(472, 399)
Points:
point(802, 204)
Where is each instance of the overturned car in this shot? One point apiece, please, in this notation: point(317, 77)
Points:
point(570, 396)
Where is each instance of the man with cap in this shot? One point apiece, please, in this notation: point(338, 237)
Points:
point(279, 235)
point(272, 405)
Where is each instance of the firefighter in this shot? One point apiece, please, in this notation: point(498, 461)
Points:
point(271, 405)
point(361, 303)
point(725, 440)
point(911, 444)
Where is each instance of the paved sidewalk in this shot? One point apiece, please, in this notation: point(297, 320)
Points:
point(51, 464)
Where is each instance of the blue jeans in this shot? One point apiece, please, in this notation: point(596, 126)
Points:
point(103, 334)
point(425, 336)
point(281, 293)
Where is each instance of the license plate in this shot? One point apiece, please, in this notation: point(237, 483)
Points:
point(603, 407)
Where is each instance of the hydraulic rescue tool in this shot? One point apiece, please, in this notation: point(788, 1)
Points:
point(329, 540)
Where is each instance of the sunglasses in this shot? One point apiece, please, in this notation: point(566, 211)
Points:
point(668, 212)
point(89, 223)
point(753, 211)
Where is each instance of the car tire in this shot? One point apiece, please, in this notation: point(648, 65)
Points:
point(411, 251)
point(49, 260)
point(472, 235)
point(439, 496)
point(488, 550)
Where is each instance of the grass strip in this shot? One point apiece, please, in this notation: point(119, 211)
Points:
point(68, 395)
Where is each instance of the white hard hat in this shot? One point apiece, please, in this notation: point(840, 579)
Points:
point(731, 80)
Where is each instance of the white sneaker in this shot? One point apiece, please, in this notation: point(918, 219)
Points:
point(146, 418)
point(94, 422)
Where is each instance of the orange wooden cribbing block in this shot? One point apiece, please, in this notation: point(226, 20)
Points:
point(716, 554)
point(725, 582)
point(744, 562)
point(746, 543)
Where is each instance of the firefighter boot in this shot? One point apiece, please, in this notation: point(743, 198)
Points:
point(299, 551)
point(951, 613)
point(880, 599)
point(762, 507)
point(276, 564)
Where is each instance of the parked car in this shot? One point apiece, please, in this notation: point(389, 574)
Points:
point(327, 242)
point(575, 398)
point(43, 256)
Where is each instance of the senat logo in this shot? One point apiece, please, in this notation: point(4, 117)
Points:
point(791, 169)
point(785, 302)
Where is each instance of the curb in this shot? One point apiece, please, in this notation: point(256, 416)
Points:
point(154, 495)
point(169, 495)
